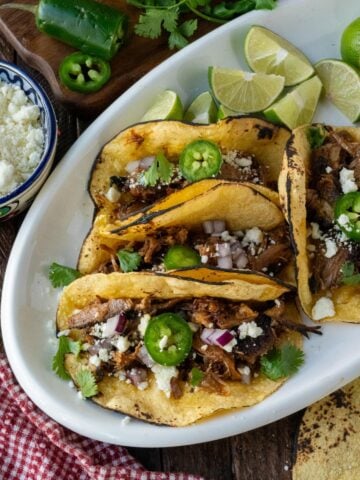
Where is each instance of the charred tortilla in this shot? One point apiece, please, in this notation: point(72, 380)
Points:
point(151, 404)
point(328, 443)
point(305, 184)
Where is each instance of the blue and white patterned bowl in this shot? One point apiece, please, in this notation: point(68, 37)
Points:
point(21, 197)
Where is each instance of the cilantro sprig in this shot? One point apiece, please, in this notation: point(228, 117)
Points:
point(60, 275)
point(348, 274)
point(161, 170)
point(282, 362)
point(164, 16)
point(129, 260)
point(66, 345)
point(86, 382)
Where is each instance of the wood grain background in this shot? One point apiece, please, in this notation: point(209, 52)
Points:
point(263, 454)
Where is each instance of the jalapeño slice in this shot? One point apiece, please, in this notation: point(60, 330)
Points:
point(84, 73)
point(200, 159)
point(181, 256)
point(347, 214)
point(168, 339)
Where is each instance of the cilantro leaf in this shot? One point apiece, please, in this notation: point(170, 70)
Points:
point(149, 25)
point(188, 28)
point(177, 40)
point(60, 276)
point(349, 277)
point(265, 4)
point(66, 345)
point(282, 362)
point(86, 382)
point(129, 260)
point(196, 376)
point(316, 136)
point(160, 170)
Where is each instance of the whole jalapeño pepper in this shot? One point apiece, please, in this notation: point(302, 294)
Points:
point(86, 25)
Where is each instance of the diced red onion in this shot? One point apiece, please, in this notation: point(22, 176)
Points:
point(137, 375)
point(242, 261)
point(219, 226)
point(224, 249)
point(216, 336)
point(114, 325)
point(132, 166)
point(147, 162)
point(94, 349)
point(208, 226)
point(225, 262)
point(144, 356)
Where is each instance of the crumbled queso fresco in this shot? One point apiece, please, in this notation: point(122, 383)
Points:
point(21, 135)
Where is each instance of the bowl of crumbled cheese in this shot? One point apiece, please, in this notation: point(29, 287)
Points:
point(28, 135)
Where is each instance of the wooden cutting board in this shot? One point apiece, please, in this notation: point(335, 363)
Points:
point(45, 54)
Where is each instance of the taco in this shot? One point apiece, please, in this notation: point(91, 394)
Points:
point(150, 162)
point(173, 350)
point(319, 188)
point(201, 232)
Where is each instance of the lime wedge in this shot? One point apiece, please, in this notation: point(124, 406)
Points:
point(244, 91)
point(350, 44)
point(202, 110)
point(267, 52)
point(167, 106)
point(298, 106)
point(342, 86)
point(225, 112)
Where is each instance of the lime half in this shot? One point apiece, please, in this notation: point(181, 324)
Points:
point(267, 52)
point(298, 106)
point(244, 91)
point(342, 86)
point(202, 110)
point(225, 112)
point(167, 106)
point(350, 44)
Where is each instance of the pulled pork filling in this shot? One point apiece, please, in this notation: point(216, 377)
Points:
point(228, 340)
point(135, 195)
point(335, 172)
point(253, 249)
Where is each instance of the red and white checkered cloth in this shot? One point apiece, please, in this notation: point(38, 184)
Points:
point(35, 447)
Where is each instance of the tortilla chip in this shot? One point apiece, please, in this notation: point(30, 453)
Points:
point(328, 444)
point(293, 181)
point(152, 404)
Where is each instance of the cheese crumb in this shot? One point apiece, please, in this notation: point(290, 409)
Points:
point(125, 421)
point(113, 194)
point(121, 343)
point(249, 329)
point(315, 231)
point(144, 322)
point(94, 360)
point(347, 180)
point(22, 138)
point(253, 235)
point(331, 248)
point(163, 342)
point(163, 376)
point(323, 308)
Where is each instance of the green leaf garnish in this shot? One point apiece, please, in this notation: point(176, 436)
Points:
point(196, 376)
point(60, 276)
point(348, 275)
point(316, 136)
point(66, 345)
point(129, 260)
point(161, 170)
point(86, 382)
point(282, 362)
point(265, 4)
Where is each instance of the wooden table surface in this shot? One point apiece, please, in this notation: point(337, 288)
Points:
point(262, 454)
